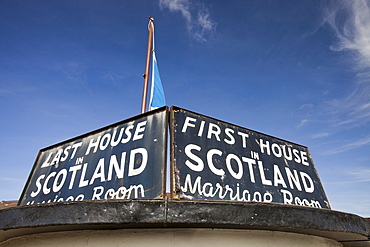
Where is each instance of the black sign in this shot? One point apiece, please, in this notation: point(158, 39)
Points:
point(121, 161)
point(214, 160)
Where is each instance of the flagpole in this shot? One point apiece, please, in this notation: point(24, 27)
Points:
point(147, 66)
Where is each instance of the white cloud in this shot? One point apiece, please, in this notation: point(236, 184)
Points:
point(13, 86)
point(361, 175)
point(115, 78)
point(320, 135)
point(8, 179)
point(183, 6)
point(350, 22)
point(353, 144)
point(308, 106)
point(196, 15)
point(358, 175)
point(302, 123)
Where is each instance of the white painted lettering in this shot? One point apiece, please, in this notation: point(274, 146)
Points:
point(215, 130)
point(244, 138)
point(38, 185)
point(212, 167)
point(132, 171)
point(236, 175)
point(262, 174)
point(94, 145)
point(199, 163)
point(188, 123)
point(140, 128)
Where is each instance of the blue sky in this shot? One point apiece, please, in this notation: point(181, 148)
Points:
point(297, 70)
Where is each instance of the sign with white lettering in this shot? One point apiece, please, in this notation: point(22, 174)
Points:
point(125, 160)
point(215, 160)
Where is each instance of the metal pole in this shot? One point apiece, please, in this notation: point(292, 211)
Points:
point(147, 66)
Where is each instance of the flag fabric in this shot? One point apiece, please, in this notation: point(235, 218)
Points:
point(157, 98)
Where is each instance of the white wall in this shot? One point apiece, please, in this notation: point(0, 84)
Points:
point(171, 237)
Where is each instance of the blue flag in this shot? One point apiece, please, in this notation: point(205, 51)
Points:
point(157, 98)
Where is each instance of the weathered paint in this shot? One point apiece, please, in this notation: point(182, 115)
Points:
point(121, 161)
point(215, 160)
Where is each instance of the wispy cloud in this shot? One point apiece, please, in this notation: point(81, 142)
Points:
point(358, 176)
point(302, 123)
point(306, 106)
point(350, 22)
point(349, 145)
point(15, 86)
point(361, 175)
point(197, 17)
point(115, 78)
point(75, 72)
point(17, 180)
point(320, 135)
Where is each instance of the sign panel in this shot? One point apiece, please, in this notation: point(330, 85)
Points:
point(215, 160)
point(122, 161)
